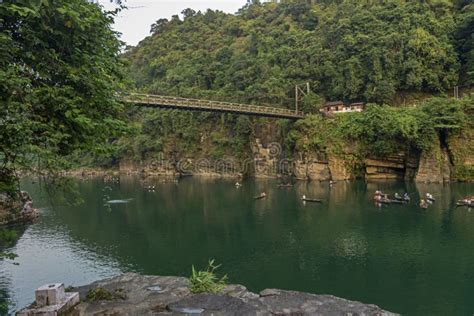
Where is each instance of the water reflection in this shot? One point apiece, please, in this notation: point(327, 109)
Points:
point(397, 256)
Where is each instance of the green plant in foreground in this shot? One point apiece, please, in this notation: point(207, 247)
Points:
point(206, 281)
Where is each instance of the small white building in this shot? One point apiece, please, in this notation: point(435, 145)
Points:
point(339, 107)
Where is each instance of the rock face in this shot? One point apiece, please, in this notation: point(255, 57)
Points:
point(397, 166)
point(434, 165)
point(16, 210)
point(461, 147)
point(312, 169)
point(156, 295)
point(339, 168)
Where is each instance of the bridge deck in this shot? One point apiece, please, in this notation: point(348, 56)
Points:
point(210, 106)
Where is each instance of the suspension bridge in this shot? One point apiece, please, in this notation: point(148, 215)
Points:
point(166, 102)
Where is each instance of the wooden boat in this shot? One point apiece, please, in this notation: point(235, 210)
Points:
point(431, 199)
point(289, 185)
point(390, 201)
point(312, 200)
point(465, 203)
point(261, 196)
point(399, 201)
point(403, 199)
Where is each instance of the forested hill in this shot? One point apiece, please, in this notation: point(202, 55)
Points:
point(347, 49)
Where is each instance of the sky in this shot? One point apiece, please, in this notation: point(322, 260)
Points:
point(134, 23)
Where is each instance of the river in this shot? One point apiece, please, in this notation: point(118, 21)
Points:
point(399, 257)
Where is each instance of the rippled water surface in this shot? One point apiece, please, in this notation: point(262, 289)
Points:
point(401, 258)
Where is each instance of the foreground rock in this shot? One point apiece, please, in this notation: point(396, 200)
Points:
point(156, 295)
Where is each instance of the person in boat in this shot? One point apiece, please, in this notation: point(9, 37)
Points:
point(237, 184)
point(397, 196)
point(423, 204)
point(378, 195)
point(429, 196)
point(406, 196)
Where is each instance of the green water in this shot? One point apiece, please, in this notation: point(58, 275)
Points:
point(401, 258)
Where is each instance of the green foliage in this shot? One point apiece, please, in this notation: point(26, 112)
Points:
point(101, 294)
point(352, 50)
point(383, 130)
point(446, 114)
point(206, 281)
point(313, 134)
point(347, 50)
point(59, 72)
point(311, 103)
point(7, 237)
point(465, 41)
point(4, 303)
point(7, 240)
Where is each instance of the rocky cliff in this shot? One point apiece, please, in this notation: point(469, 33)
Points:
point(264, 152)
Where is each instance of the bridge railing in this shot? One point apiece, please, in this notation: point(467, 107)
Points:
point(207, 104)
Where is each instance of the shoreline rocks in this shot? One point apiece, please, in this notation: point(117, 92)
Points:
point(14, 210)
point(167, 295)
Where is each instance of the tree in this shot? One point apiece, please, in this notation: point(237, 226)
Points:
point(60, 70)
point(465, 37)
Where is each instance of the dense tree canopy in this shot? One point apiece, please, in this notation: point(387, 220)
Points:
point(465, 37)
point(351, 50)
point(59, 71)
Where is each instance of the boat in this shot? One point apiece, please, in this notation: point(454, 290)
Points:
point(312, 200)
point(390, 201)
point(261, 196)
point(396, 201)
point(401, 198)
point(430, 198)
point(468, 203)
point(288, 185)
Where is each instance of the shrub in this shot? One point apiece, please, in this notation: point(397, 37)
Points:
point(206, 281)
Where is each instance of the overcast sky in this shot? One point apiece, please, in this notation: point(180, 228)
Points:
point(134, 23)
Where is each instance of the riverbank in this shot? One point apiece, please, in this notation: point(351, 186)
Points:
point(134, 294)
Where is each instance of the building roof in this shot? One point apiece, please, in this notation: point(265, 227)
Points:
point(332, 103)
